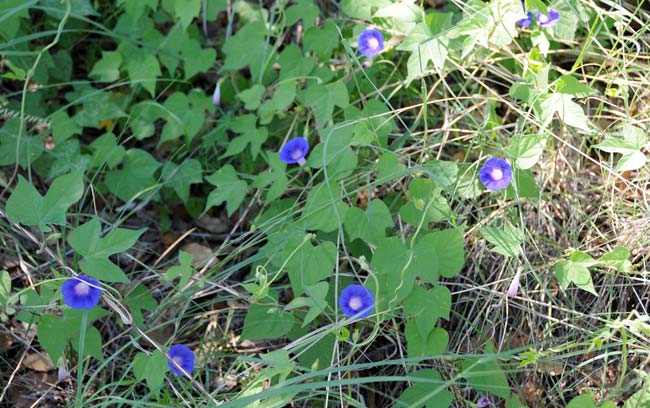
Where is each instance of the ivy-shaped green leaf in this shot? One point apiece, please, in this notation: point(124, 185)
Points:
point(26, 205)
point(230, 189)
point(576, 270)
point(86, 242)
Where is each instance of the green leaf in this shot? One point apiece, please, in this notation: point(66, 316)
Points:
point(247, 47)
point(566, 31)
point(27, 207)
point(63, 127)
point(434, 344)
point(395, 278)
point(196, 59)
point(433, 50)
point(576, 270)
point(252, 97)
point(304, 10)
point(633, 140)
point(526, 150)
point(107, 69)
point(184, 269)
point(250, 134)
point(230, 189)
point(106, 150)
point(425, 307)
point(31, 147)
point(54, 333)
point(92, 343)
point(570, 112)
point(143, 70)
point(152, 368)
point(186, 10)
point(362, 9)
point(506, 241)
point(370, 225)
point(98, 106)
point(389, 167)
point(315, 301)
point(439, 253)
point(485, 374)
point(182, 176)
point(568, 84)
point(85, 241)
point(427, 391)
point(444, 173)
point(309, 264)
point(618, 258)
point(293, 64)
point(323, 98)
point(335, 151)
point(135, 179)
point(266, 322)
point(524, 182)
point(185, 114)
point(5, 291)
point(488, 25)
point(135, 8)
point(276, 178)
point(639, 399)
point(582, 401)
point(140, 299)
point(322, 40)
point(426, 203)
point(324, 209)
point(57, 9)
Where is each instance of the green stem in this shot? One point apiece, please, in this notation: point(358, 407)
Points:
point(80, 359)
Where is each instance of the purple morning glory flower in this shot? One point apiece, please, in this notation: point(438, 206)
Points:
point(526, 22)
point(81, 292)
point(357, 301)
point(514, 285)
point(183, 356)
point(483, 402)
point(216, 96)
point(495, 174)
point(547, 21)
point(371, 42)
point(294, 151)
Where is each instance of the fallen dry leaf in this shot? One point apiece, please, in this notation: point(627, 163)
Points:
point(38, 362)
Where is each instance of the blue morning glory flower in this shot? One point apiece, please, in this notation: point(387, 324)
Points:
point(357, 301)
point(183, 356)
point(495, 174)
point(81, 292)
point(371, 42)
point(526, 22)
point(294, 151)
point(547, 21)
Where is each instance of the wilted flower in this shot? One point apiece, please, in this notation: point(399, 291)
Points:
point(62, 373)
point(526, 22)
point(357, 301)
point(371, 42)
point(216, 96)
point(547, 21)
point(81, 292)
point(183, 356)
point(294, 151)
point(514, 285)
point(483, 402)
point(496, 174)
